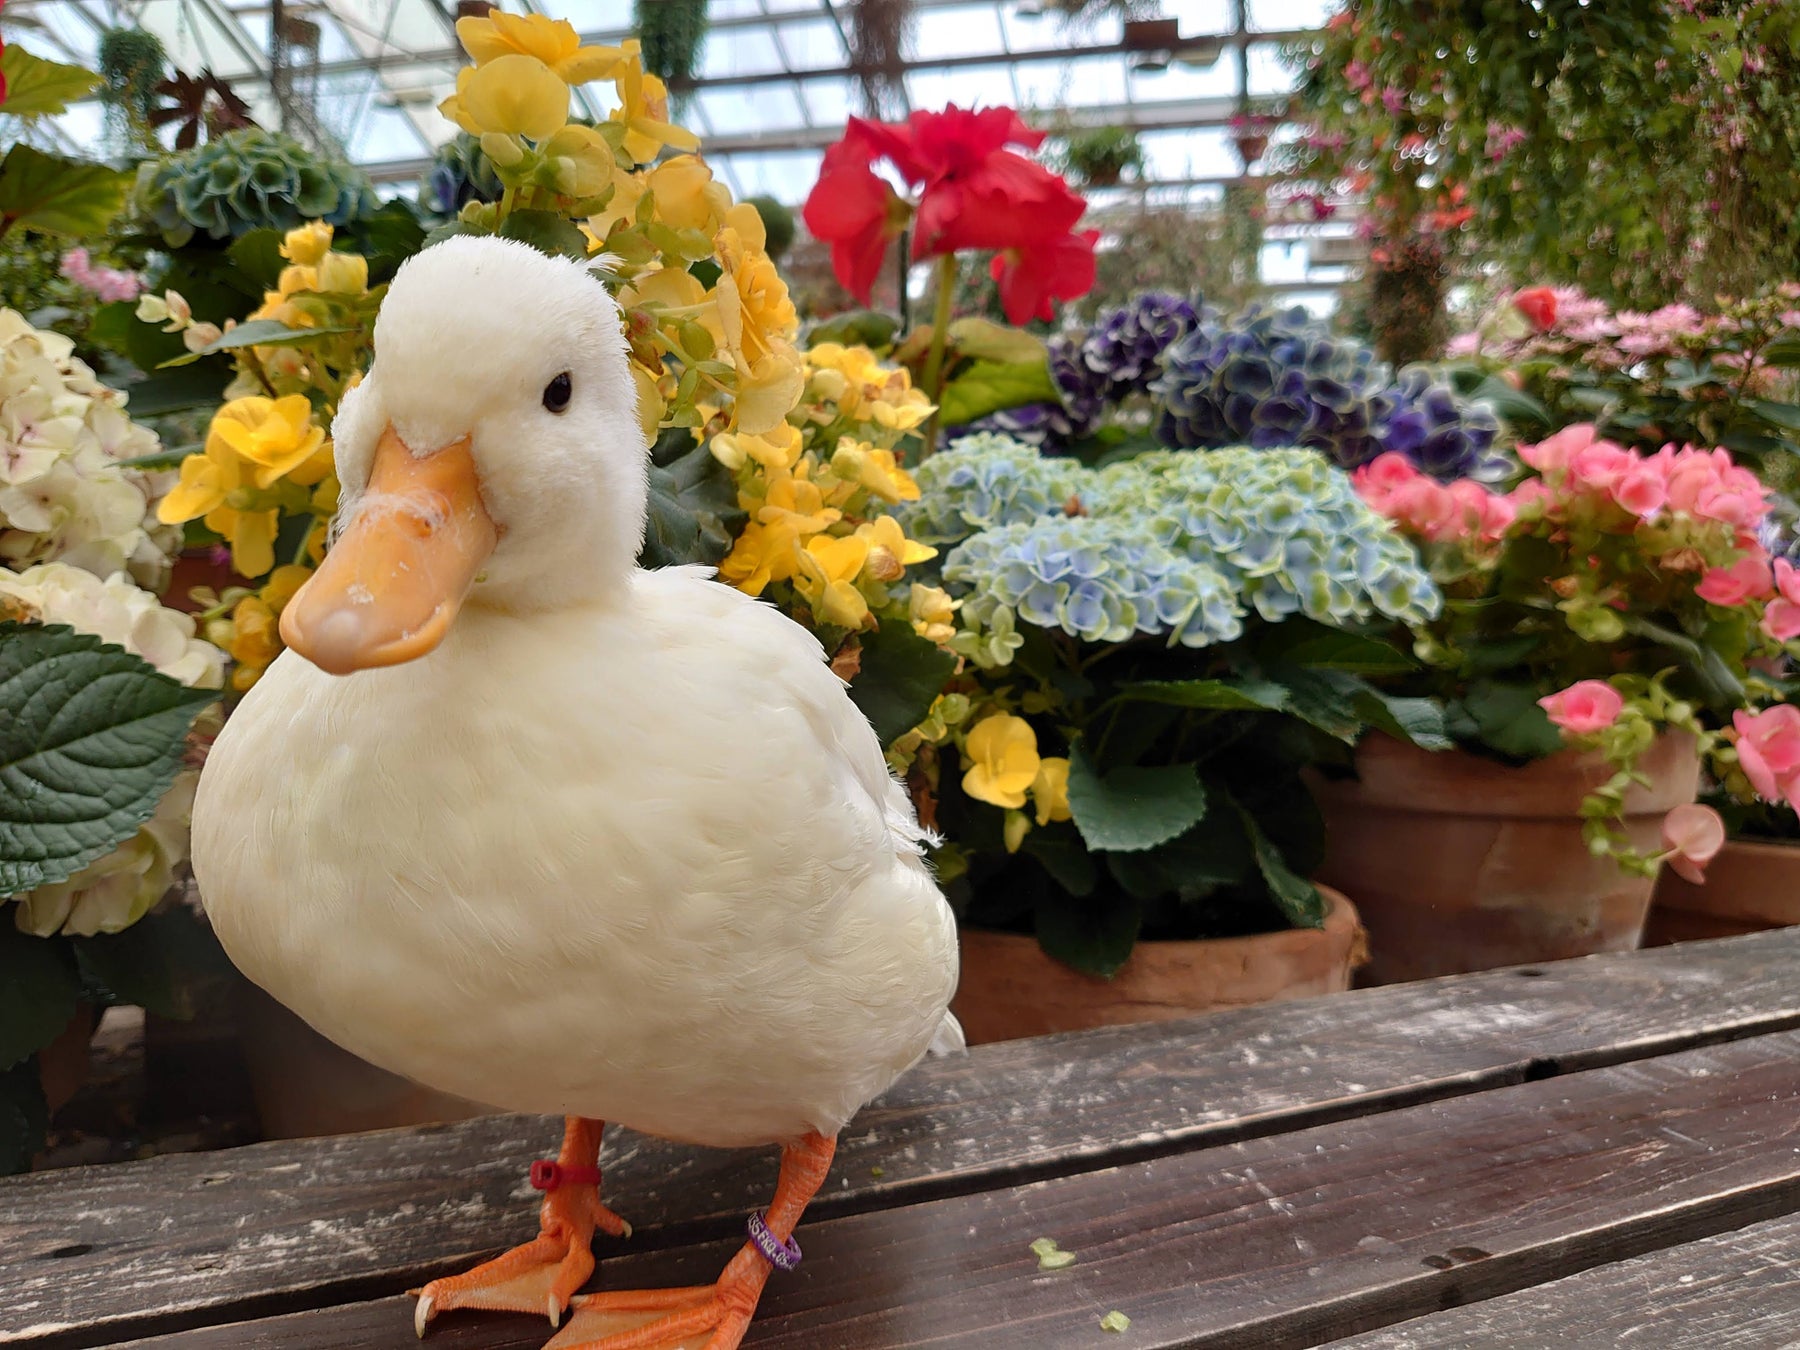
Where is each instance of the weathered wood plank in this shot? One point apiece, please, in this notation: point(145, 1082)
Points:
point(88, 1255)
point(1277, 1242)
point(1737, 1291)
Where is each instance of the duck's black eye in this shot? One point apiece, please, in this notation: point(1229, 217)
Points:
point(556, 393)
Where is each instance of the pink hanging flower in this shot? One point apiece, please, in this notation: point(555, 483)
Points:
point(1781, 620)
point(1768, 749)
point(1747, 579)
point(1584, 707)
point(1693, 834)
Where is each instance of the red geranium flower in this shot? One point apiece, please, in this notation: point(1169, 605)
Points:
point(1539, 306)
point(1033, 278)
point(974, 193)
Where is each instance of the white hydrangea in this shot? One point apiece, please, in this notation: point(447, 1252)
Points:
point(64, 493)
point(116, 890)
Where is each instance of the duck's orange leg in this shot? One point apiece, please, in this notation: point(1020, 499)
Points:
point(541, 1275)
point(713, 1316)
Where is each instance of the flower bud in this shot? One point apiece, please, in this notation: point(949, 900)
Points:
point(503, 150)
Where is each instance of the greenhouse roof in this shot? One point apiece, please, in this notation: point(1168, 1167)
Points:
point(773, 85)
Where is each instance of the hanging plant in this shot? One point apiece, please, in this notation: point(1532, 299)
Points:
point(878, 37)
point(673, 32)
point(131, 66)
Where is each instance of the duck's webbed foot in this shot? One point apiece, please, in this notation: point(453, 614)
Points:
point(715, 1316)
point(541, 1275)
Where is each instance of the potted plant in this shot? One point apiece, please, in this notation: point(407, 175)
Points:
point(103, 687)
point(1099, 156)
point(1604, 623)
point(1153, 653)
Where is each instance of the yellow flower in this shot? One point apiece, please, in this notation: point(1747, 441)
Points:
point(1050, 789)
point(864, 389)
point(875, 470)
point(827, 578)
point(889, 548)
point(584, 160)
point(1003, 760)
point(758, 322)
point(514, 94)
point(644, 109)
point(296, 278)
point(343, 274)
point(307, 244)
point(762, 553)
point(276, 435)
point(283, 584)
point(622, 206)
point(687, 197)
point(209, 482)
point(777, 450)
point(254, 641)
point(932, 611)
point(552, 41)
point(650, 402)
point(795, 504)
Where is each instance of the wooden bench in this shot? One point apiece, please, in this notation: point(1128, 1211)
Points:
point(1538, 1157)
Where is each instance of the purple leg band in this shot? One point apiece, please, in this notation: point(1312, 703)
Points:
point(781, 1255)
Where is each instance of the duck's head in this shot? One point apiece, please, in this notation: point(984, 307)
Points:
point(492, 455)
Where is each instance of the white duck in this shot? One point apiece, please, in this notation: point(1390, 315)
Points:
point(611, 843)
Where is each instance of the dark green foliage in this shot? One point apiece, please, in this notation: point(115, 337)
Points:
point(673, 32)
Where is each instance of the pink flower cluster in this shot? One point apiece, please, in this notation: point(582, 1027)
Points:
point(109, 283)
point(1701, 484)
point(1753, 577)
point(1439, 512)
point(1500, 140)
point(1584, 707)
point(1768, 750)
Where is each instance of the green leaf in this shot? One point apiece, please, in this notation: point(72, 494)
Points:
point(985, 340)
point(1295, 896)
point(1136, 807)
point(36, 87)
point(24, 1116)
point(176, 390)
point(901, 674)
point(1236, 695)
point(1316, 646)
point(255, 333)
point(1784, 415)
point(93, 739)
point(1095, 938)
point(57, 195)
point(989, 386)
point(693, 504)
point(1418, 720)
point(1058, 848)
point(1721, 685)
point(1326, 699)
point(39, 989)
point(1783, 350)
point(1508, 718)
point(859, 328)
point(257, 257)
point(547, 232)
point(1213, 853)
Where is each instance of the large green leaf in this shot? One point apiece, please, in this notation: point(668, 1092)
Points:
point(1419, 720)
point(547, 232)
point(1783, 350)
point(36, 87)
point(1784, 415)
point(1135, 807)
point(1213, 853)
point(989, 386)
point(1508, 718)
point(1059, 850)
point(901, 674)
point(1237, 695)
point(46, 192)
point(985, 340)
point(24, 1116)
point(257, 257)
point(255, 333)
point(39, 988)
point(1297, 898)
point(860, 327)
point(92, 740)
point(1094, 937)
point(693, 504)
point(1300, 642)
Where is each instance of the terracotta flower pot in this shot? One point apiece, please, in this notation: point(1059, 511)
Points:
point(305, 1086)
point(1011, 989)
point(1458, 863)
point(1750, 886)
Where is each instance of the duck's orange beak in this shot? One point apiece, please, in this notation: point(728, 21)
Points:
point(390, 586)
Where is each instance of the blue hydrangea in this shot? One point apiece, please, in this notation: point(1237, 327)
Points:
point(1097, 580)
point(1273, 379)
point(1285, 527)
point(984, 480)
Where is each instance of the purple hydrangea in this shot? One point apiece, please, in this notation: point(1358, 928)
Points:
point(1424, 420)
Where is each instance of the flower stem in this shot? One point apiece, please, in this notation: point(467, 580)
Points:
point(933, 379)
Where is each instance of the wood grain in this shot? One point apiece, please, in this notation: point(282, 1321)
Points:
point(1737, 1291)
point(1276, 1242)
point(92, 1255)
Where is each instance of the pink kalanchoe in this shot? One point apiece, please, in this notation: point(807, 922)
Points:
point(1552, 454)
point(1747, 579)
point(1693, 834)
point(1768, 749)
point(1781, 620)
point(1392, 485)
point(1641, 490)
point(1584, 707)
point(1597, 467)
